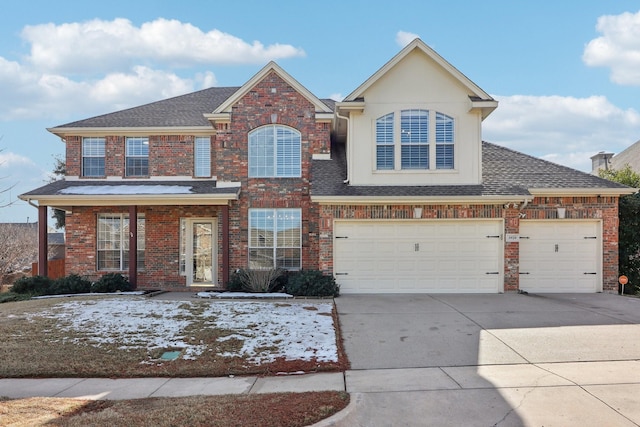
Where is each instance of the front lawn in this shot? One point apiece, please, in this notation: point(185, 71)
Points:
point(127, 336)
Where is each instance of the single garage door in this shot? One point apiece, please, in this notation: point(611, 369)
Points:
point(560, 256)
point(438, 256)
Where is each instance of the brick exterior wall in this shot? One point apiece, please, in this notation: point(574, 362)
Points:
point(171, 155)
point(600, 208)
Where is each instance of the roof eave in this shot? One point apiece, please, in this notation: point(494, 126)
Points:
point(591, 191)
point(63, 132)
point(130, 199)
point(383, 200)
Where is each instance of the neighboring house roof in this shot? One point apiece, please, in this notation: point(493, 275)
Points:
point(506, 174)
point(630, 156)
point(123, 192)
point(55, 238)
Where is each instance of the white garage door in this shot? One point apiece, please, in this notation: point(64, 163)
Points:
point(560, 256)
point(418, 256)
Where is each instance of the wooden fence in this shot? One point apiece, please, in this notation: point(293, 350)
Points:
point(55, 268)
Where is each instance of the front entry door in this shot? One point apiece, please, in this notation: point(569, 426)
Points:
point(201, 256)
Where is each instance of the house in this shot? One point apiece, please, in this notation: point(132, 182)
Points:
point(390, 190)
point(629, 156)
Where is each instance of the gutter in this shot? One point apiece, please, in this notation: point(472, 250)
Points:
point(348, 178)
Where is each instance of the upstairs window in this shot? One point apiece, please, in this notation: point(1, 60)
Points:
point(137, 157)
point(202, 157)
point(384, 142)
point(93, 157)
point(274, 151)
point(444, 141)
point(414, 139)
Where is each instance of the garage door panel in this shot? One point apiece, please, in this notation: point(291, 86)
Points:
point(555, 255)
point(417, 256)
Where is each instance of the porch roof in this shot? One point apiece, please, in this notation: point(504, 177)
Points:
point(65, 194)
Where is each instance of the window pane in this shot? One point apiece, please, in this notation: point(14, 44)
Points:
point(261, 258)
point(261, 228)
point(444, 156)
point(288, 152)
point(93, 156)
point(444, 128)
point(288, 258)
point(384, 142)
point(289, 228)
point(137, 163)
point(415, 157)
point(444, 141)
point(414, 126)
point(202, 156)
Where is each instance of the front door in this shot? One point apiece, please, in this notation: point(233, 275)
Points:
point(201, 236)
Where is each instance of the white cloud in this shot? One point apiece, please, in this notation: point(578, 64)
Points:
point(9, 160)
point(618, 48)
point(403, 38)
point(99, 45)
point(29, 94)
point(336, 97)
point(564, 130)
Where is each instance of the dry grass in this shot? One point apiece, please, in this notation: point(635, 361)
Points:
point(61, 354)
point(278, 409)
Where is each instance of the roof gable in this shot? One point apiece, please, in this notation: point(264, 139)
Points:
point(474, 90)
point(225, 107)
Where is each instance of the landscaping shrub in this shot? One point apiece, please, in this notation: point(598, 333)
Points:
point(35, 285)
point(71, 284)
point(256, 281)
point(312, 283)
point(111, 282)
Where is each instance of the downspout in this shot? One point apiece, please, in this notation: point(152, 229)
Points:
point(346, 181)
point(32, 204)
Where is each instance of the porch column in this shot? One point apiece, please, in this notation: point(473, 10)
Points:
point(43, 244)
point(225, 244)
point(133, 246)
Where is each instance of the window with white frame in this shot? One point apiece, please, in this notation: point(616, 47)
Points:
point(113, 242)
point(137, 156)
point(414, 139)
point(384, 142)
point(93, 157)
point(444, 141)
point(275, 238)
point(274, 151)
point(202, 156)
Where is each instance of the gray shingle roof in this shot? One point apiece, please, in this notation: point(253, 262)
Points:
point(505, 173)
point(196, 187)
point(184, 110)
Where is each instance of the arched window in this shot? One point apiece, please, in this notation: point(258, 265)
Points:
point(274, 151)
point(444, 142)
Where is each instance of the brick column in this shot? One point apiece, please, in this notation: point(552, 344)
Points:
point(43, 244)
point(511, 250)
point(133, 246)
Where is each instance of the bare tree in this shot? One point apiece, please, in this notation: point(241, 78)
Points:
point(18, 247)
point(5, 190)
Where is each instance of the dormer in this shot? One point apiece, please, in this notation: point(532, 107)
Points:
point(416, 121)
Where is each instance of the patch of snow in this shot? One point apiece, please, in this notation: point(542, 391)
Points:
point(232, 295)
point(91, 294)
point(268, 330)
point(126, 189)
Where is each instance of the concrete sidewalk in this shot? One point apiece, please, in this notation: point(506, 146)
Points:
point(134, 388)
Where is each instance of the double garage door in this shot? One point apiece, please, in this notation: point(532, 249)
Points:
point(464, 256)
point(418, 256)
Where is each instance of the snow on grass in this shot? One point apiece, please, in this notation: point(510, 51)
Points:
point(268, 330)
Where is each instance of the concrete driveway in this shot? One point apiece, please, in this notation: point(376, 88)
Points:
point(485, 360)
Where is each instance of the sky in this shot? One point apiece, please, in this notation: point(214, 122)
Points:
point(566, 74)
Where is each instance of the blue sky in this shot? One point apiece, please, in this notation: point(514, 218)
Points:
point(567, 74)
